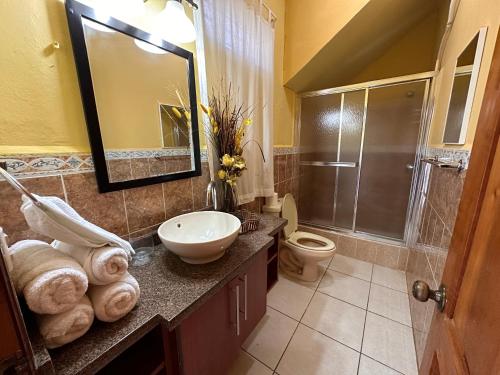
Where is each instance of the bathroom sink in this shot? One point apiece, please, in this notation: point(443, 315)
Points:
point(199, 237)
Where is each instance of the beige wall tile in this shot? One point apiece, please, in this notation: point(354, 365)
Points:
point(105, 210)
point(387, 255)
point(366, 250)
point(346, 246)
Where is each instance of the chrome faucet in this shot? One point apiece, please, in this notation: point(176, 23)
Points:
point(212, 196)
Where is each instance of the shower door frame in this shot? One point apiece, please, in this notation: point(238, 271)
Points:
point(423, 134)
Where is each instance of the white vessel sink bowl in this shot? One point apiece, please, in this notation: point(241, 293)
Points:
point(200, 237)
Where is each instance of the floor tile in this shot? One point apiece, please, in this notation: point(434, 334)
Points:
point(389, 278)
point(336, 319)
point(245, 364)
point(326, 262)
point(390, 303)
point(346, 288)
point(269, 339)
point(289, 297)
point(390, 343)
point(310, 352)
point(368, 366)
point(352, 267)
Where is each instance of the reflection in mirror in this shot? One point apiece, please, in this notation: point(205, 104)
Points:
point(141, 136)
point(463, 89)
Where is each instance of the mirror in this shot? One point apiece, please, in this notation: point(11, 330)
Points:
point(139, 98)
point(463, 89)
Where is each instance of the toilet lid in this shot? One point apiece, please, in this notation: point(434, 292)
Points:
point(289, 212)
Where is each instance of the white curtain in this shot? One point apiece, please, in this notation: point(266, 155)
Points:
point(238, 45)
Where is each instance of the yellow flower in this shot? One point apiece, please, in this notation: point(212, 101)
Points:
point(247, 122)
point(188, 115)
point(176, 112)
point(221, 174)
point(240, 165)
point(227, 161)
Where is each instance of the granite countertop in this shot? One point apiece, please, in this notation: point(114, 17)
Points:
point(170, 290)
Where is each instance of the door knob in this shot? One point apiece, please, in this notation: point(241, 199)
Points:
point(423, 293)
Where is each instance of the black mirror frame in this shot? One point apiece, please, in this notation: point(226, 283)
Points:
point(75, 11)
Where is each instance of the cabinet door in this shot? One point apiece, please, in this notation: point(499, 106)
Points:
point(253, 295)
point(208, 340)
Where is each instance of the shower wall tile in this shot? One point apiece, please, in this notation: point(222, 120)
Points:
point(346, 245)
point(404, 253)
point(387, 255)
point(427, 257)
point(366, 250)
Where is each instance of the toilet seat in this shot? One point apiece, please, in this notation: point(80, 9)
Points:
point(323, 244)
point(293, 237)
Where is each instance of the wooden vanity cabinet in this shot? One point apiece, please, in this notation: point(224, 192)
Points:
point(253, 296)
point(209, 340)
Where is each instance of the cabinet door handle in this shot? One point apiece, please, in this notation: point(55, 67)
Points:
point(245, 302)
point(237, 310)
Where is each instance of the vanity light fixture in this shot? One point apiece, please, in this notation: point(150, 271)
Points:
point(174, 25)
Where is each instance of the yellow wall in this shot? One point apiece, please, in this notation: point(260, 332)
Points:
point(472, 15)
point(40, 104)
point(413, 53)
point(284, 99)
point(310, 25)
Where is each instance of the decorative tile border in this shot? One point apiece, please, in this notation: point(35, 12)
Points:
point(43, 164)
point(285, 150)
point(36, 165)
point(449, 153)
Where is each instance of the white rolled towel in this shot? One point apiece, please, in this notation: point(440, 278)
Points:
point(52, 282)
point(62, 328)
point(113, 301)
point(103, 265)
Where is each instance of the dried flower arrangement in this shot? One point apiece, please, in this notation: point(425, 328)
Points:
point(225, 130)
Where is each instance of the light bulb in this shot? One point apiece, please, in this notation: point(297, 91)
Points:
point(173, 24)
point(149, 47)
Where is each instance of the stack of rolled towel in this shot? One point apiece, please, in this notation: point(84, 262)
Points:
point(81, 274)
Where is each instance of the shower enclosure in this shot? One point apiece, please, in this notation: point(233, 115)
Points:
point(358, 148)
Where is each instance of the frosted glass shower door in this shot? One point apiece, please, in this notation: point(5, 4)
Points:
point(319, 137)
point(330, 142)
point(392, 126)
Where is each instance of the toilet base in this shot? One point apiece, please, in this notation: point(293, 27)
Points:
point(309, 272)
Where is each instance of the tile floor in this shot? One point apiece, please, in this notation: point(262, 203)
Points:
point(354, 320)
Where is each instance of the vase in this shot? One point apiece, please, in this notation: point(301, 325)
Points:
point(229, 198)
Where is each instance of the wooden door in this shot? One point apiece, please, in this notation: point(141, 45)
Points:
point(465, 338)
point(253, 303)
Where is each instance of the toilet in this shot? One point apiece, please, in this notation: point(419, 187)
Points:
point(301, 251)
